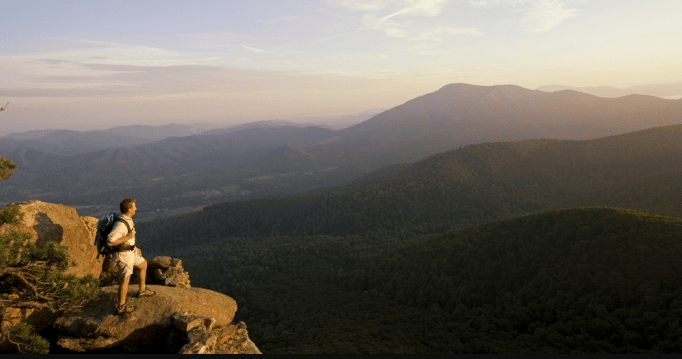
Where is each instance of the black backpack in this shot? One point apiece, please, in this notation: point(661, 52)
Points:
point(106, 223)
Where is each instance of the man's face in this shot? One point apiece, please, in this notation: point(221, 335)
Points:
point(133, 210)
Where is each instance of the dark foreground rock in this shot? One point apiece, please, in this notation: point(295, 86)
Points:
point(203, 338)
point(156, 324)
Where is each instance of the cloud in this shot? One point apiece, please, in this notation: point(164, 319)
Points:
point(546, 15)
point(400, 18)
point(536, 15)
point(361, 5)
point(106, 52)
point(77, 74)
point(53, 61)
point(396, 7)
point(253, 49)
point(435, 35)
point(419, 8)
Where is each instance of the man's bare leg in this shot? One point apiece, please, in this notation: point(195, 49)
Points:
point(123, 290)
point(143, 275)
point(144, 292)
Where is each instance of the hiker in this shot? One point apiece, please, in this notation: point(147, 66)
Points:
point(127, 255)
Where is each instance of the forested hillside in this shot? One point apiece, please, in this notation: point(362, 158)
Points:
point(457, 189)
point(569, 281)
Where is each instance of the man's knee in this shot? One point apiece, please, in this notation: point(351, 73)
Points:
point(125, 279)
point(142, 265)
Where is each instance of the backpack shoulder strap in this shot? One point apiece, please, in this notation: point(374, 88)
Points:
point(119, 219)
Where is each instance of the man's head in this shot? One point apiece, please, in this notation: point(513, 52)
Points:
point(128, 207)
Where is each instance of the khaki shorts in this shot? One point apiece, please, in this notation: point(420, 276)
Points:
point(127, 261)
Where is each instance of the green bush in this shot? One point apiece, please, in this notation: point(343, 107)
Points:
point(51, 252)
point(10, 214)
point(27, 341)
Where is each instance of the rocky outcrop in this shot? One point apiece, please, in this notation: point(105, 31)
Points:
point(178, 319)
point(161, 270)
point(168, 271)
point(156, 322)
point(203, 338)
point(46, 222)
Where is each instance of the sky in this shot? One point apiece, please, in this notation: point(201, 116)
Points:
point(95, 64)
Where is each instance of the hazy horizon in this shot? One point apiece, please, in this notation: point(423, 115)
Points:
point(94, 65)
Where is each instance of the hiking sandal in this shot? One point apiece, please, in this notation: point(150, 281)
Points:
point(146, 293)
point(124, 308)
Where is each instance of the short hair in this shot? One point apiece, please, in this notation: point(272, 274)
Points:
point(126, 205)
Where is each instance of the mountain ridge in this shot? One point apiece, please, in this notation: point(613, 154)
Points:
point(455, 115)
point(671, 90)
point(472, 185)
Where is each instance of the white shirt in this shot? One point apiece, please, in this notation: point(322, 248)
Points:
point(119, 230)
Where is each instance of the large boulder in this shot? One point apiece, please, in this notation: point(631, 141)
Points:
point(149, 328)
point(46, 222)
point(168, 271)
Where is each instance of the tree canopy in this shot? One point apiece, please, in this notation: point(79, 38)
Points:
point(6, 167)
point(570, 281)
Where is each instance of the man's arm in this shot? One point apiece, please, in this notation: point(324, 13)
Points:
point(119, 234)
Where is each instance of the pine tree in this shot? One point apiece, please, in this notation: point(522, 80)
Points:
point(33, 277)
point(6, 167)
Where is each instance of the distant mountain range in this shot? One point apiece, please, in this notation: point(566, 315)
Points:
point(287, 159)
point(455, 115)
point(461, 114)
point(68, 142)
point(671, 91)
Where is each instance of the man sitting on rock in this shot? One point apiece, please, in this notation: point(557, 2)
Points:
point(127, 255)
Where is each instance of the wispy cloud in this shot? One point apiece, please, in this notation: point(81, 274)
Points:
point(419, 8)
point(253, 49)
point(107, 52)
point(96, 79)
point(361, 5)
point(53, 61)
point(536, 15)
point(436, 35)
point(546, 15)
point(400, 18)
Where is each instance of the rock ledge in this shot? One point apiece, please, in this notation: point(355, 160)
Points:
point(157, 322)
